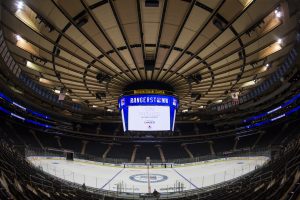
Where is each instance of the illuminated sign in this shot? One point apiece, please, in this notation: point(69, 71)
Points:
point(147, 100)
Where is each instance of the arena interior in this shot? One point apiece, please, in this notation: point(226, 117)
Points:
point(150, 99)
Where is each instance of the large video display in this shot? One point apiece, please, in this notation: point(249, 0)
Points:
point(148, 112)
point(148, 118)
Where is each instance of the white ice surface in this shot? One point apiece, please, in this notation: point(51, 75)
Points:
point(117, 178)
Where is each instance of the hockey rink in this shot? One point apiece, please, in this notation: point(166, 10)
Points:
point(139, 179)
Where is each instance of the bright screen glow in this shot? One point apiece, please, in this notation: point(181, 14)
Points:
point(148, 118)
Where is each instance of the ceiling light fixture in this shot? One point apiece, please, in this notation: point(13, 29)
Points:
point(279, 41)
point(18, 37)
point(278, 13)
point(45, 81)
point(75, 100)
point(20, 5)
point(266, 67)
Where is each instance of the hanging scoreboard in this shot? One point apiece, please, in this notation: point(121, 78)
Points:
point(148, 112)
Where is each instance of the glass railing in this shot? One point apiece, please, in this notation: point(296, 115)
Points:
point(31, 151)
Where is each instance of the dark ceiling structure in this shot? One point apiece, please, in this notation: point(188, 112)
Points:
point(203, 49)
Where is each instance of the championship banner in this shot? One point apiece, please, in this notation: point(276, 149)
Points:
point(235, 95)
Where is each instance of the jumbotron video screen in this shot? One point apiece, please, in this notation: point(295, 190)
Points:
point(148, 112)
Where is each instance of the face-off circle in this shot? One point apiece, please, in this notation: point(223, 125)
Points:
point(143, 178)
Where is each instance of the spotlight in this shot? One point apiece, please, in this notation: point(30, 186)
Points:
point(279, 41)
point(20, 5)
point(267, 65)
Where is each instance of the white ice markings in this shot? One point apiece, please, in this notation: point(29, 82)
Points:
point(112, 178)
point(185, 178)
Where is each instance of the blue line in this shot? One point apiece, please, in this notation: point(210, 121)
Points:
point(185, 178)
point(112, 178)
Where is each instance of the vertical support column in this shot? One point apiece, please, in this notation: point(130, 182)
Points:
point(179, 131)
point(133, 155)
point(99, 129)
point(196, 129)
point(84, 143)
point(36, 138)
point(279, 134)
point(236, 140)
point(107, 151)
point(258, 139)
point(187, 150)
point(58, 139)
point(211, 147)
point(116, 131)
point(78, 127)
point(162, 156)
point(13, 132)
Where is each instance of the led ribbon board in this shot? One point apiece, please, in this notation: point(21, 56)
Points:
point(148, 112)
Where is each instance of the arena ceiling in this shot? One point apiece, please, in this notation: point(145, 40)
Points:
point(203, 48)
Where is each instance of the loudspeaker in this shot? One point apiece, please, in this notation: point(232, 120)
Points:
point(100, 95)
point(103, 77)
point(56, 51)
point(219, 24)
point(82, 21)
point(194, 78)
point(149, 64)
point(151, 3)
